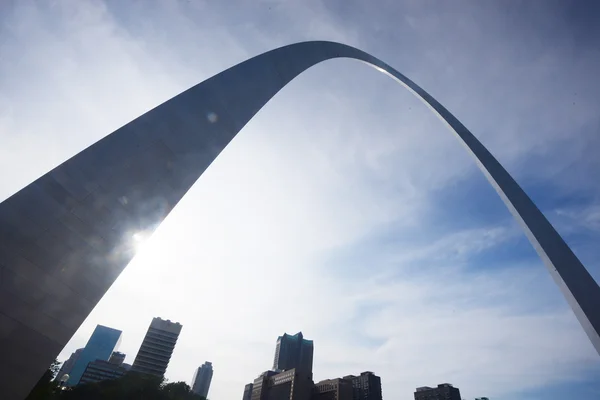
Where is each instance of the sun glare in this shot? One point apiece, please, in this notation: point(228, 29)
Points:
point(139, 240)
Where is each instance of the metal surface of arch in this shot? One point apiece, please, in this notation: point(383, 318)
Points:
point(66, 237)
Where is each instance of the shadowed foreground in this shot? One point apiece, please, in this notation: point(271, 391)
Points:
point(130, 386)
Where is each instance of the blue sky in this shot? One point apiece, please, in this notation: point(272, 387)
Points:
point(344, 209)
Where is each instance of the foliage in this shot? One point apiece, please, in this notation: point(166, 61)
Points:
point(44, 388)
point(131, 386)
point(179, 390)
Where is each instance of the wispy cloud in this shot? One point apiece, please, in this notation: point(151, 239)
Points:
point(582, 217)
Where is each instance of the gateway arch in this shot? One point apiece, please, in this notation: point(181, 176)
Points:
point(67, 236)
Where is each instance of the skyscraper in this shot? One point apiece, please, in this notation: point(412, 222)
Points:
point(117, 358)
point(100, 346)
point(260, 386)
point(68, 364)
point(248, 392)
point(444, 391)
point(293, 351)
point(287, 385)
point(101, 370)
point(202, 378)
point(157, 347)
point(367, 386)
point(332, 389)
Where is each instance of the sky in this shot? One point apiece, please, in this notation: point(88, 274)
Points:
point(344, 209)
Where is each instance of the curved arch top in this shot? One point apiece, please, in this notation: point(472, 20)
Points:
point(66, 237)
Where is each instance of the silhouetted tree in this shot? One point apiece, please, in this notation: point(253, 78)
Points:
point(179, 391)
point(44, 388)
point(132, 386)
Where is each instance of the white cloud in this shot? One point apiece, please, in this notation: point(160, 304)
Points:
point(582, 217)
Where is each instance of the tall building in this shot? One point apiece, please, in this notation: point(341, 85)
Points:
point(157, 347)
point(332, 389)
point(260, 386)
point(202, 378)
point(292, 384)
point(100, 346)
point(101, 370)
point(117, 358)
point(443, 391)
point(293, 351)
point(247, 392)
point(68, 364)
point(366, 386)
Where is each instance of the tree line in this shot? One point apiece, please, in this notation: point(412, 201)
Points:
point(131, 386)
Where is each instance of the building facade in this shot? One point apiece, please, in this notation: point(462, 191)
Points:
point(443, 391)
point(117, 358)
point(68, 364)
point(260, 385)
point(202, 378)
point(100, 346)
point(332, 389)
point(293, 352)
point(157, 347)
point(366, 386)
point(248, 392)
point(101, 370)
point(287, 385)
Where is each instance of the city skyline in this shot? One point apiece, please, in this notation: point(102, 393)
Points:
point(156, 348)
point(292, 373)
point(366, 386)
point(463, 236)
point(100, 346)
point(292, 352)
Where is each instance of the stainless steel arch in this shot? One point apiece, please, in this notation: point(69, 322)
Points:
point(65, 238)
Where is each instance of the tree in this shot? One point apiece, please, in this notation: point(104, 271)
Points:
point(132, 386)
point(44, 388)
point(179, 391)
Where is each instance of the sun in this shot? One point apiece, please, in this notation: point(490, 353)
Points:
point(139, 241)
